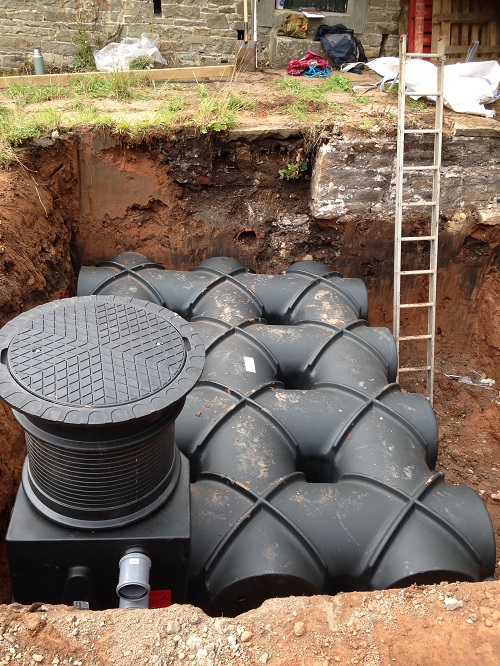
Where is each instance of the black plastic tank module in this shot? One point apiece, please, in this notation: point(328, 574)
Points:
point(310, 470)
point(97, 383)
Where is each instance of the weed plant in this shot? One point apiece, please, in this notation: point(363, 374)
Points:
point(201, 91)
point(207, 108)
point(417, 105)
point(293, 171)
point(289, 85)
point(336, 83)
point(83, 55)
point(300, 108)
point(6, 150)
point(7, 153)
point(297, 109)
point(305, 94)
point(141, 62)
point(118, 85)
point(239, 103)
point(214, 115)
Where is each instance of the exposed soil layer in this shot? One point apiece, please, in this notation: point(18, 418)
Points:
point(444, 624)
point(81, 199)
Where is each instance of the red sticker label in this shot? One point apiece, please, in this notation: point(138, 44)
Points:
point(160, 598)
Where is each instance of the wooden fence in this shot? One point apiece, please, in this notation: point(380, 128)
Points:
point(462, 22)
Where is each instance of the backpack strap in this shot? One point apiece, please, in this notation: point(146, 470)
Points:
point(361, 52)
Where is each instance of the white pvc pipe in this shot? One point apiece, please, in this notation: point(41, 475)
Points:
point(133, 585)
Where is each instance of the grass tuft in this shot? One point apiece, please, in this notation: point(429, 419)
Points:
point(17, 128)
point(337, 83)
point(119, 85)
point(217, 113)
point(332, 83)
point(23, 94)
point(89, 114)
point(166, 117)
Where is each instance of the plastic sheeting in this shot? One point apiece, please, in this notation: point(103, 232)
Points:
point(116, 57)
point(467, 86)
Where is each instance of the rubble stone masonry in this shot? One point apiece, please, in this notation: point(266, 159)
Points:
point(192, 32)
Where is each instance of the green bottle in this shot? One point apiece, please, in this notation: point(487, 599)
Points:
point(38, 62)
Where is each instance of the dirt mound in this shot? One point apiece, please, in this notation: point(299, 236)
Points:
point(444, 624)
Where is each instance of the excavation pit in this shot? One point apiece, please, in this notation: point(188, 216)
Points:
point(92, 197)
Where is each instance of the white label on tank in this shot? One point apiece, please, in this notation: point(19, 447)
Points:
point(81, 605)
point(249, 364)
point(134, 560)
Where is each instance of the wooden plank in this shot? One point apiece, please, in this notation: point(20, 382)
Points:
point(464, 36)
point(456, 50)
point(174, 74)
point(456, 24)
point(446, 25)
point(493, 33)
point(482, 50)
point(462, 22)
point(460, 17)
point(436, 26)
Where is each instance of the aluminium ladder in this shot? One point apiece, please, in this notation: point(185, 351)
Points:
point(430, 236)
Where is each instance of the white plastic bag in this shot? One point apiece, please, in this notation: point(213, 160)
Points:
point(115, 57)
point(467, 86)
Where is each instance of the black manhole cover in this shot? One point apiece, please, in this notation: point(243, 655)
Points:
point(96, 354)
point(97, 359)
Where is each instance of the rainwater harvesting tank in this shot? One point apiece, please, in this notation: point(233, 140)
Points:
point(310, 471)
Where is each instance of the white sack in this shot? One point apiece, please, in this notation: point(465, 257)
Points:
point(467, 86)
point(115, 57)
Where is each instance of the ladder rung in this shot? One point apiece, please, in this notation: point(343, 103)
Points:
point(421, 131)
point(416, 305)
point(415, 337)
point(409, 93)
point(420, 272)
point(424, 55)
point(420, 168)
point(418, 203)
point(416, 369)
point(417, 238)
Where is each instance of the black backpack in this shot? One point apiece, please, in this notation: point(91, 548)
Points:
point(341, 45)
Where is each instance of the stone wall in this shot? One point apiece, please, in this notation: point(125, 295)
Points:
point(192, 32)
point(381, 33)
point(357, 177)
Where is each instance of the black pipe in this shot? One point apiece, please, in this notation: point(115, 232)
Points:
point(223, 288)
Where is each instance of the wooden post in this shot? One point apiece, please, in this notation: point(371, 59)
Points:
point(418, 46)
